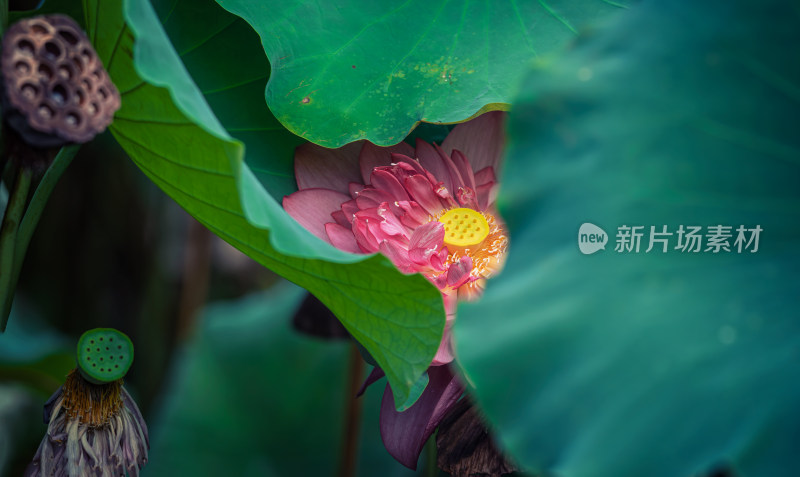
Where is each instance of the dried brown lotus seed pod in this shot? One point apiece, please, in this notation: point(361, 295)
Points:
point(56, 90)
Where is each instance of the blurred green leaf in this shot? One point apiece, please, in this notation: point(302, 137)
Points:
point(250, 397)
point(34, 355)
point(179, 133)
point(345, 71)
point(34, 360)
point(19, 413)
point(657, 364)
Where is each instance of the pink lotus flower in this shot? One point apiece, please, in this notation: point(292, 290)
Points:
point(429, 209)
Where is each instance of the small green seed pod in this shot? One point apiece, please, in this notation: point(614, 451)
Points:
point(104, 355)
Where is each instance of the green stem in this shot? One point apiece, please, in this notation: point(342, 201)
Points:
point(3, 16)
point(9, 171)
point(22, 237)
point(8, 237)
point(352, 413)
point(431, 465)
point(40, 197)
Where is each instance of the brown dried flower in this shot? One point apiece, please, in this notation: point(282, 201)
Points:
point(56, 90)
point(92, 430)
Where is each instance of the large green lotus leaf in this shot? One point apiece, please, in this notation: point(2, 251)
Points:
point(180, 134)
point(343, 71)
point(249, 396)
point(656, 364)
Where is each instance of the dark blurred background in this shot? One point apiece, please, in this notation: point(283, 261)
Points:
point(112, 250)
